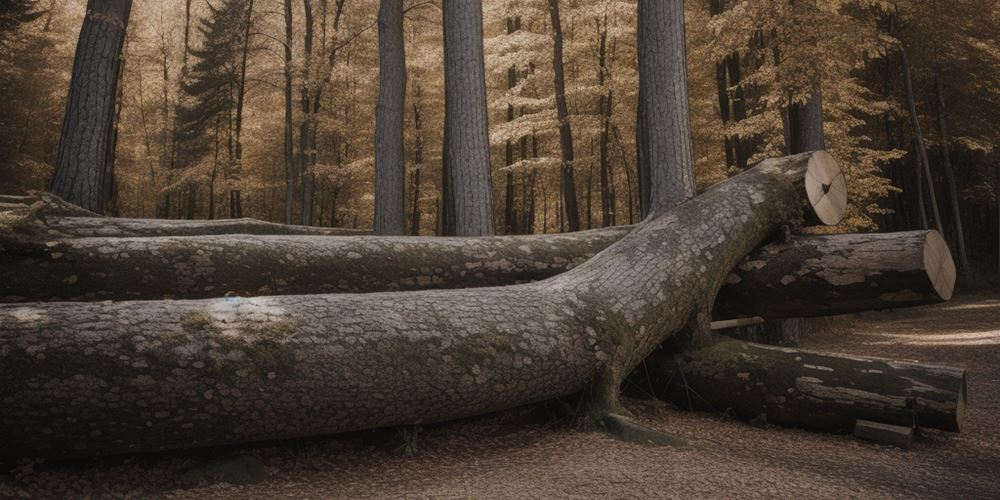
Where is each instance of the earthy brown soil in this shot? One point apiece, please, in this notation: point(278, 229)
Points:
point(515, 456)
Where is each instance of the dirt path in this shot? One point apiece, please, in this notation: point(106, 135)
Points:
point(508, 456)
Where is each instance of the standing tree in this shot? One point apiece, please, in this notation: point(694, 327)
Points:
point(82, 166)
point(567, 183)
point(211, 110)
point(666, 161)
point(466, 144)
point(390, 162)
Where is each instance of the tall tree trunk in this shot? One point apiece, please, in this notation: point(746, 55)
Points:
point(82, 161)
point(510, 212)
point(949, 176)
point(390, 162)
point(467, 147)
point(805, 124)
point(289, 133)
point(567, 183)
point(307, 131)
point(664, 116)
point(606, 106)
point(236, 205)
point(918, 133)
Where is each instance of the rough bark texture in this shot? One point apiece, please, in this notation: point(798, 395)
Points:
point(829, 275)
point(390, 162)
point(99, 378)
point(800, 388)
point(467, 147)
point(81, 165)
point(664, 114)
point(210, 266)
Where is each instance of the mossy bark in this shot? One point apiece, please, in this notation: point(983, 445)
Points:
point(806, 389)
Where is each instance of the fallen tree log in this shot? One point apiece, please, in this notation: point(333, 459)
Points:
point(806, 389)
point(210, 266)
point(829, 275)
point(806, 277)
point(48, 216)
point(98, 378)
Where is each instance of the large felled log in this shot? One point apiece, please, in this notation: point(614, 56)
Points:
point(92, 378)
point(828, 275)
point(809, 276)
point(807, 389)
point(49, 216)
point(210, 266)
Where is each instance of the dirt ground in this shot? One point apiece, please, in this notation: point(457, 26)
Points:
point(513, 455)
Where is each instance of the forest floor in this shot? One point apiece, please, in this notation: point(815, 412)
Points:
point(516, 455)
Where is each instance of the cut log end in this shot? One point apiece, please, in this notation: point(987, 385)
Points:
point(826, 188)
point(939, 265)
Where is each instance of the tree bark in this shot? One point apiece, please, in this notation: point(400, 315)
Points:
point(81, 164)
point(567, 182)
point(805, 124)
point(828, 275)
point(390, 162)
point(467, 147)
point(194, 267)
point(664, 113)
point(807, 389)
point(104, 378)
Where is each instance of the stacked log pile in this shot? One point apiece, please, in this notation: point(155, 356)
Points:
point(283, 331)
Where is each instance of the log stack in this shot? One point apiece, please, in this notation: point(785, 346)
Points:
point(310, 355)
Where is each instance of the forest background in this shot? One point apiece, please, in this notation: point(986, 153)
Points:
point(266, 108)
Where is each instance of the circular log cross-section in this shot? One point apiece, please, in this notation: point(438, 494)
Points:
point(807, 389)
point(816, 276)
point(826, 189)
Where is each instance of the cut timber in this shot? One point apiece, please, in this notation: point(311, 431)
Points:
point(210, 266)
point(827, 190)
point(828, 275)
point(893, 435)
point(85, 378)
point(807, 389)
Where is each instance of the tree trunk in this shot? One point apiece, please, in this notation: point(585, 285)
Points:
point(81, 164)
point(807, 389)
point(606, 107)
point(663, 104)
point(510, 212)
point(949, 176)
point(919, 135)
point(805, 124)
point(104, 378)
point(467, 147)
point(567, 183)
point(289, 133)
point(828, 275)
point(307, 130)
point(390, 162)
